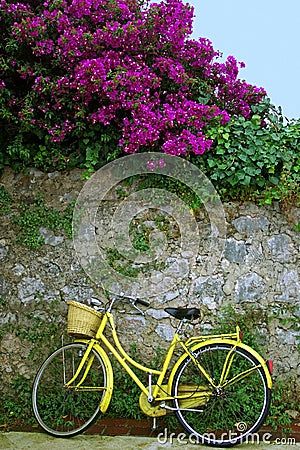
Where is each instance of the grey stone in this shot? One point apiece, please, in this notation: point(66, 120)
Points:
point(249, 288)
point(68, 197)
point(53, 175)
point(25, 440)
point(50, 238)
point(225, 265)
point(157, 313)
point(156, 277)
point(288, 284)
point(19, 269)
point(228, 287)
point(78, 293)
point(178, 267)
point(255, 252)
point(133, 321)
point(158, 289)
point(86, 233)
point(250, 225)
point(3, 249)
point(53, 268)
point(7, 318)
point(30, 289)
point(171, 295)
point(207, 290)
point(165, 331)
point(36, 173)
point(210, 303)
point(188, 254)
point(75, 265)
point(235, 251)
point(297, 310)
point(263, 337)
point(281, 247)
point(3, 287)
point(287, 337)
point(292, 413)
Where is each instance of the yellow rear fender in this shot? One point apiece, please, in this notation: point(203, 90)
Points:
point(261, 360)
point(109, 377)
point(222, 341)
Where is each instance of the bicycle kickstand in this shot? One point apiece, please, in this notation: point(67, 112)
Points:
point(154, 423)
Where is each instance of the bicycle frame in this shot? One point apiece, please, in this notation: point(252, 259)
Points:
point(160, 391)
point(211, 382)
point(123, 358)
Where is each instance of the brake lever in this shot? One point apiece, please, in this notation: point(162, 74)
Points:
point(96, 304)
point(132, 302)
point(95, 301)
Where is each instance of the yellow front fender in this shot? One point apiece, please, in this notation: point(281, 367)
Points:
point(222, 341)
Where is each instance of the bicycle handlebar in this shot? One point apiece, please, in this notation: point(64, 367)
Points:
point(142, 302)
point(135, 299)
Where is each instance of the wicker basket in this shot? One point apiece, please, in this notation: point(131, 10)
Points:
point(83, 320)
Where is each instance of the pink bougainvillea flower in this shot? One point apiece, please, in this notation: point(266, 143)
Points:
point(126, 66)
point(151, 165)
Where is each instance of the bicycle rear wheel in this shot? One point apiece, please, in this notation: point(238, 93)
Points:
point(61, 411)
point(231, 412)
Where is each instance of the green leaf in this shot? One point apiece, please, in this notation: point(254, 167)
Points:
point(211, 162)
point(274, 180)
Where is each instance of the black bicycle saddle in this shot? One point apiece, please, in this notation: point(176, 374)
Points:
point(184, 313)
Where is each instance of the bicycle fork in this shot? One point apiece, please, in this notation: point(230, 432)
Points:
point(88, 358)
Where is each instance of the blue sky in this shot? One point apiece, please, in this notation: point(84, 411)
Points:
point(265, 34)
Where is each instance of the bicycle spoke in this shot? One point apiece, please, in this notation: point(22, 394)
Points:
point(64, 410)
point(236, 407)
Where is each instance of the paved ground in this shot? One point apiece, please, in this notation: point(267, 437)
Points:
point(41, 441)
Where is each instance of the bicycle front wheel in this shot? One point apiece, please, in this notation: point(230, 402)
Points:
point(66, 411)
point(232, 409)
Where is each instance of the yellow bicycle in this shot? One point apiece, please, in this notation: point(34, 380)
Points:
point(219, 388)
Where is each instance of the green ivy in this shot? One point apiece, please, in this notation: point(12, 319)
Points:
point(5, 201)
point(139, 234)
point(120, 264)
point(41, 337)
point(282, 400)
point(170, 184)
point(249, 321)
point(125, 399)
point(18, 407)
point(30, 218)
point(252, 161)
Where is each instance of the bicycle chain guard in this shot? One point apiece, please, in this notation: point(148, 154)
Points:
point(150, 410)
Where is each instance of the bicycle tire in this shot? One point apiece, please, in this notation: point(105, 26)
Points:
point(225, 416)
point(61, 411)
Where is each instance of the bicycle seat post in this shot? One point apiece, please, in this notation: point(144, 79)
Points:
point(179, 327)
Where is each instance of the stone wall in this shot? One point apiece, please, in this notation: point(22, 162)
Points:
point(259, 269)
